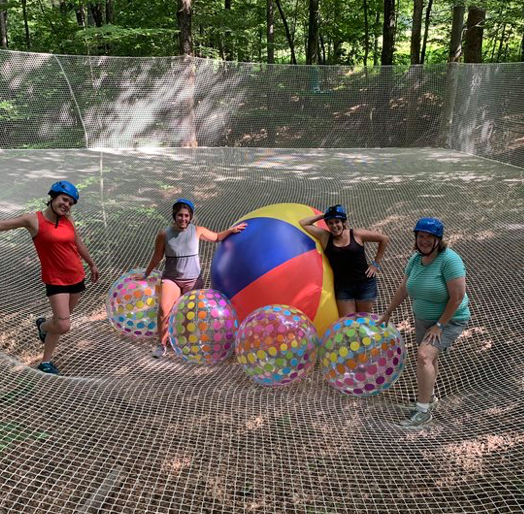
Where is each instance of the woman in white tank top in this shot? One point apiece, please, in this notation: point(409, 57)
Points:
point(179, 245)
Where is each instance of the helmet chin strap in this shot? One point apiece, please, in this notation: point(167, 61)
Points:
point(435, 245)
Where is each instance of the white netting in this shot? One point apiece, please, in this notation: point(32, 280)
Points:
point(70, 102)
point(121, 433)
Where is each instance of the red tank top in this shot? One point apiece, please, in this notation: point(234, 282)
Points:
point(57, 251)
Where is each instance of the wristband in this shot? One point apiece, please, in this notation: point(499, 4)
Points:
point(439, 325)
point(376, 264)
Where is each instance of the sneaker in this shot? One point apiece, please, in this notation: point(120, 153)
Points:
point(48, 367)
point(416, 419)
point(41, 334)
point(413, 405)
point(159, 352)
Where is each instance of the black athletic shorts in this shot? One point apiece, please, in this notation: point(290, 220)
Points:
point(51, 290)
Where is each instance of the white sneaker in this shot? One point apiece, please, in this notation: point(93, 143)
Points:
point(416, 419)
point(159, 352)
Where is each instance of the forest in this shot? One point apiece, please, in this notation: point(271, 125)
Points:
point(323, 32)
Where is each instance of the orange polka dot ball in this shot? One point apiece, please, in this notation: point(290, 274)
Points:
point(202, 327)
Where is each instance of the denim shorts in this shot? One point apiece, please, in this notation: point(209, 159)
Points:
point(450, 332)
point(364, 291)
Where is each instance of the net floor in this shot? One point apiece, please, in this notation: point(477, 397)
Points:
point(118, 432)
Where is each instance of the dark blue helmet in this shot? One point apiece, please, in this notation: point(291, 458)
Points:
point(431, 225)
point(185, 201)
point(65, 187)
point(335, 212)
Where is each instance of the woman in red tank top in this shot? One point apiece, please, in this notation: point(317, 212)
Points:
point(60, 250)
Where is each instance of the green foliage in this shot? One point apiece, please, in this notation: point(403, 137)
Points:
point(9, 111)
point(149, 28)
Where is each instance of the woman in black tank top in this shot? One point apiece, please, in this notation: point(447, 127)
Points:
point(355, 279)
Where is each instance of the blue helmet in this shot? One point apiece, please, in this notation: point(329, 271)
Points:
point(335, 212)
point(431, 225)
point(65, 187)
point(187, 202)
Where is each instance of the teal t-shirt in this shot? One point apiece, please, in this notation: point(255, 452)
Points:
point(427, 288)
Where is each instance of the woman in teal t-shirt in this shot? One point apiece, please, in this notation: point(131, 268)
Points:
point(435, 280)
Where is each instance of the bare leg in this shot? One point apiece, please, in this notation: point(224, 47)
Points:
point(61, 305)
point(365, 305)
point(169, 294)
point(345, 307)
point(427, 367)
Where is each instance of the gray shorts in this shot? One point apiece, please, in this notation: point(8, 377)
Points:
point(187, 285)
point(450, 332)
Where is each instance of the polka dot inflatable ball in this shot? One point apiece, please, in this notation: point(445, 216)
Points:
point(202, 327)
point(132, 304)
point(277, 345)
point(280, 263)
point(360, 358)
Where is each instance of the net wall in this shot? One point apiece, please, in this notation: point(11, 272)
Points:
point(108, 102)
point(488, 114)
point(122, 433)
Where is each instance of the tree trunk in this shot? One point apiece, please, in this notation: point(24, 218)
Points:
point(187, 104)
point(418, 6)
point(97, 13)
point(337, 50)
point(289, 37)
point(3, 26)
point(366, 32)
point(415, 81)
point(109, 12)
point(376, 35)
point(312, 42)
point(426, 32)
point(455, 46)
point(260, 43)
point(26, 25)
point(455, 50)
point(388, 32)
point(506, 46)
point(80, 16)
point(228, 44)
point(270, 26)
point(474, 34)
point(501, 44)
point(322, 46)
point(183, 14)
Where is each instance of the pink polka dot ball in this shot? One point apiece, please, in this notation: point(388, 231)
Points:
point(361, 358)
point(276, 345)
point(132, 304)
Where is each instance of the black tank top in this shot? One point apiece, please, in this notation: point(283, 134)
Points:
point(348, 262)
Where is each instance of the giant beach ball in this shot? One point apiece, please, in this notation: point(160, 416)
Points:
point(275, 261)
